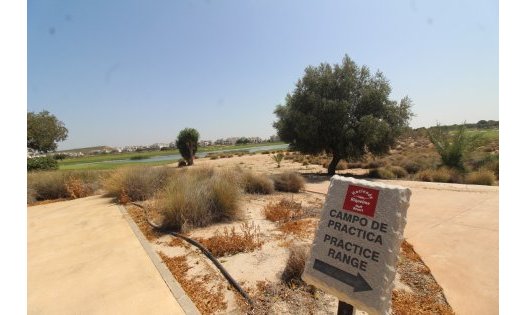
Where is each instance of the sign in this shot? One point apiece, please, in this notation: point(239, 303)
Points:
point(355, 250)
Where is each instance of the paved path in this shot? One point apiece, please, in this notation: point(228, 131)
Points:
point(455, 229)
point(83, 258)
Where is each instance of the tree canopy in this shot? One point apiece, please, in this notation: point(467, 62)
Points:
point(44, 130)
point(343, 110)
point(187, 144)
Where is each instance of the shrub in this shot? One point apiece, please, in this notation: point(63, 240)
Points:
point(230, 242)
point(41, 163)
point(382, 172)
point(283, 211)
point(482, 177)
point(62, 184)
point(182, 163)
point(288, 182)
point(76, 188)
point(257, 183)
point(295, 265)
point(398, 171)
point(278, 158)
point(31, 195)
point(137, 183)
point(355, 165)
point(60, 156)
point(441, 175)
point(453, 147)
point(412, 167)
point(139, 157)
point(374, 164)
point(342, 165)
point(48, 185)
point(198, 198)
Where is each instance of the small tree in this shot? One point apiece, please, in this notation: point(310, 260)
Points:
point(278, 158)
point(343, 110)
point(453, 146)
point(44, 130)
point(187, 144)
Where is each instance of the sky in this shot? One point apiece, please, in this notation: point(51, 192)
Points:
point(137, 72)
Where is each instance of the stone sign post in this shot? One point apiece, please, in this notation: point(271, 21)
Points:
point(356, 246)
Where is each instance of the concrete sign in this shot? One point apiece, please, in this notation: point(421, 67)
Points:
point(356, 246)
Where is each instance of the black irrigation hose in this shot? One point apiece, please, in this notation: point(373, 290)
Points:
point(205, 251)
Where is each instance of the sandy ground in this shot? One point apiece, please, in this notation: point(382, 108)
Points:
point(268, 262)
point(446, 223)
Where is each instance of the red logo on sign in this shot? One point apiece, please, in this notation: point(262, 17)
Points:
point(361, 200)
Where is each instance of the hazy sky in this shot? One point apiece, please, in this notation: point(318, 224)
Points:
point(137, 72)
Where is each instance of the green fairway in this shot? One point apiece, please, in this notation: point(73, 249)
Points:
point(104, 161)
point(110, 165)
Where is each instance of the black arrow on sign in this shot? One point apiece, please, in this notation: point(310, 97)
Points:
point(357, 282)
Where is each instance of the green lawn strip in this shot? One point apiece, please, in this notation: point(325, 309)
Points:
point(63, 164)
point(114, 156)
point(111, 165)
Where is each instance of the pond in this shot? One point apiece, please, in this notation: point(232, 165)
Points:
point(176, 157)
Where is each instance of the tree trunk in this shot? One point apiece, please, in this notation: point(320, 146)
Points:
point(331, 170)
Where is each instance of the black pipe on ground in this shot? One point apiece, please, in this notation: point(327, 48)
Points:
point(204, 250)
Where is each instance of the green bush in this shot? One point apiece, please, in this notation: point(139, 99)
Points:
point(454, 146)
point(139, 157)
point(42, 163)
point(288, 182)
point(60, 156)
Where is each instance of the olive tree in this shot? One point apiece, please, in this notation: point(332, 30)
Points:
point(44, 130)
point(187, 144)
point(343, 110)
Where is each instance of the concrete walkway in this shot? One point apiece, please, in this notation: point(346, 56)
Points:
point(83, 258)
point(455, 229)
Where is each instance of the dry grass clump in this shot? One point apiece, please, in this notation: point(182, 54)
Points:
point(280, 298)
point(300, 228)
point(282, 211)
point(482, 177)
point(295, 265)
point(441, 175)
point(399, 171)
point(136, 183)
point(52, 185)
point(257, 183)
point(197, 197)
point(211, 302)
point(48, 185)
point(382, 172)
point(288, 182)
point(230, 242)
